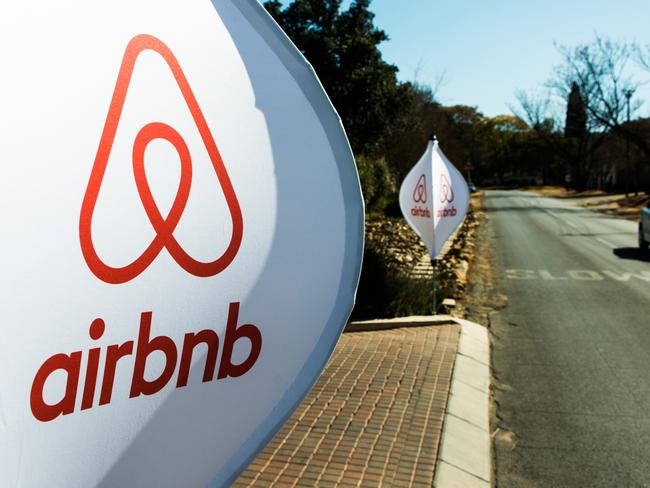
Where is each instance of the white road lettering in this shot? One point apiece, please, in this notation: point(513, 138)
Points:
point(576, 275)
point(521, 274)
point(548, 276)
point(585, 275)
point(643, 275)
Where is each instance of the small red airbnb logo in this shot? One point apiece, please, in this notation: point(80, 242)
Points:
point(164, 226)
point(420, 191)
point(446, 191)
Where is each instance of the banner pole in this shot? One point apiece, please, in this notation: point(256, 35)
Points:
point(435, 304)
point(433, 229)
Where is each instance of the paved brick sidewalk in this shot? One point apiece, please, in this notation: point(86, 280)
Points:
point(374, 417)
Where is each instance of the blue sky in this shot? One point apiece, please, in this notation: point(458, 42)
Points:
point(485, 50)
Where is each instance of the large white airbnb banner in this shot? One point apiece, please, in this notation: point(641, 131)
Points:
point(183, 231)
point(434, 198)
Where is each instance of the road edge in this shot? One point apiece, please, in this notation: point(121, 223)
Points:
point(465, 451)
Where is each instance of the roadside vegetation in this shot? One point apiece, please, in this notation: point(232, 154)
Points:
point(578, 131)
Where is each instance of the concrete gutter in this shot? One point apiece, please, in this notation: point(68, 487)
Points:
point(465, 455)
point(465, 451)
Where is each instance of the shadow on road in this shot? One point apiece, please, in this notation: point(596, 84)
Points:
point(633, 253)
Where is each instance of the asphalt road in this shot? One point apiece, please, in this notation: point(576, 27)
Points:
point(571, 347)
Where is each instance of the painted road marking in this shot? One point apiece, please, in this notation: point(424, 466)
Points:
point(585, 275)
point(575, 275)
point(546, 275)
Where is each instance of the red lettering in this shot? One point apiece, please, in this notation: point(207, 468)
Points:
point(113, 354)
point(207, 337)
point(96, 331)
point(146, 345)
point(447, 212)
point(71, 365)
point(233, 334)
point(421, 212)
point(164, 344)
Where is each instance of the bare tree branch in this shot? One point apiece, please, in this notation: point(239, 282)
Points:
point(642, 56)
point(600, 69)
point(533, 107)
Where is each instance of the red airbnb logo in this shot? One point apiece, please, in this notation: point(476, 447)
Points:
point(420, 191)
point(446, 191)
point(163, 226)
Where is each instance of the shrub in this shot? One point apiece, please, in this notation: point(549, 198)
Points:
point(386, 292)
point(377, 183)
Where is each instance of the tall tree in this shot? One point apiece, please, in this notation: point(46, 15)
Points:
point(576, 115)
point(343, 48)
point(575, 132)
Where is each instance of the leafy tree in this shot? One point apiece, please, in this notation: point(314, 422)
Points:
point(342, 46)
point(546, 149)
point(377, 183)
point(500, 139)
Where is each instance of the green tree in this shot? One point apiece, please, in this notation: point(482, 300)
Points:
point(342, 46)
point(502, 140)
point(575, 132)
point(576, 114)
point(377, 183)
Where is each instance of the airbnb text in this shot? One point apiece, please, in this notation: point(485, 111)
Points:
point(447, 212)
point(71, 364)
point(421, 212)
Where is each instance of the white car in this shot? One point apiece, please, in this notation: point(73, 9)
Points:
point(644, 228)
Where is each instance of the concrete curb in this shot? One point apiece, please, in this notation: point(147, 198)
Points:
point(465, 454)
point(412, 321)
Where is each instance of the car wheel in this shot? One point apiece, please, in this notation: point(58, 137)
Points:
point(643, 244)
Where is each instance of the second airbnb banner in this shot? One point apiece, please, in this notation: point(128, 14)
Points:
point(434, 198)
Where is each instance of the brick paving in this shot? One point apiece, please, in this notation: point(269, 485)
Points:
point(373, 418)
